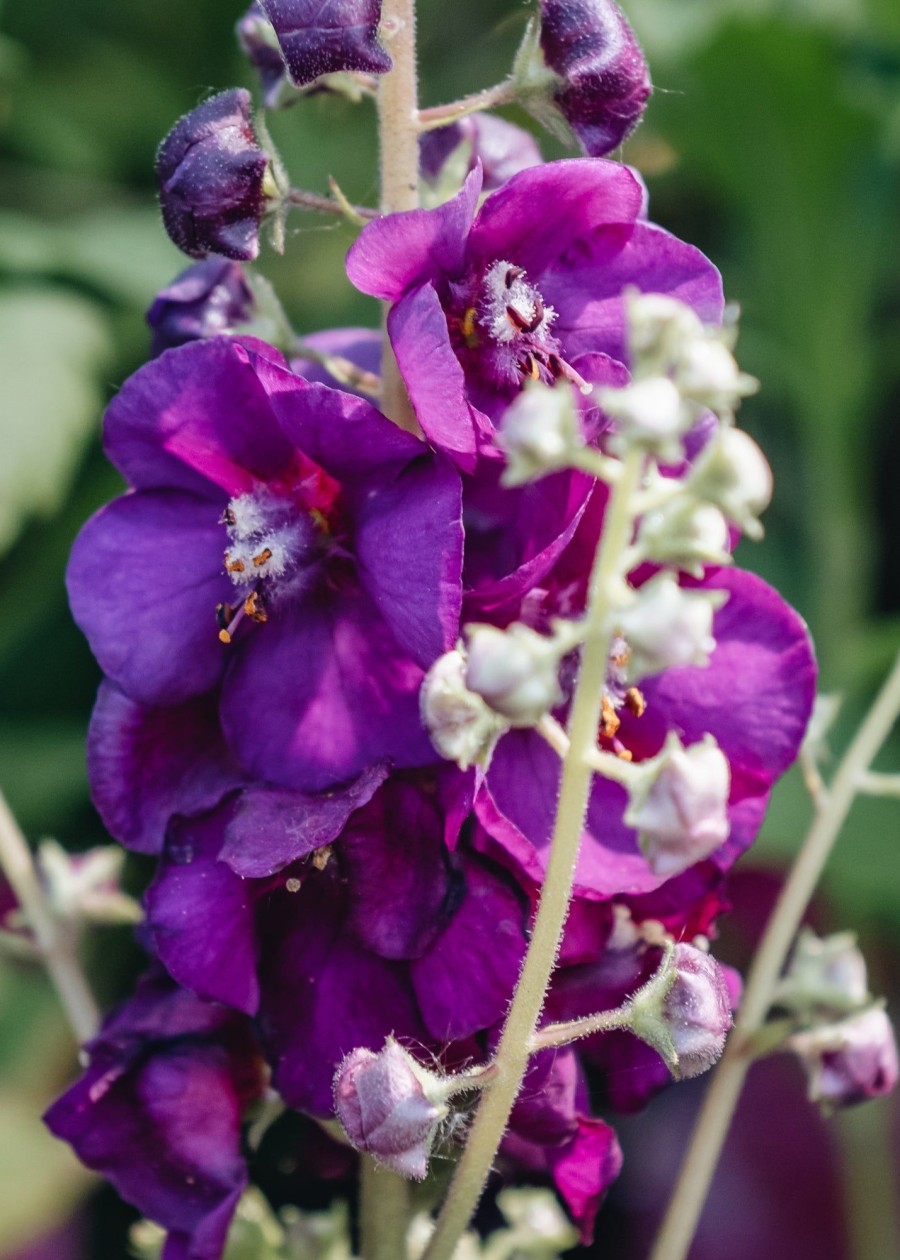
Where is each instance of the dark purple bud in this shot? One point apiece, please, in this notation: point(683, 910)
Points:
point(209, 299)
point(212, 177)
point(319, 38)
point(590, 45)
point(258, 40)
point(502, 148)
point(850, 1061)
point(381, 1101)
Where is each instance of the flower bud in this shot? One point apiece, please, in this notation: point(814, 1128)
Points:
point(825, 974)
point(461, 726)
point(539, 433)
point(650, 413)
point(215, 179)
point(450, 153)
point(666, 626)
point(85, 886)
point(604, 84)
point(850, 1061)
point(516, 671)
point(659, 328)
point(686, 534)
point(318, 39)
point(382, 1100)
point(679, 804)
point(209, 299)
point(732, 473)
point(257, 38)
point(684, 1012)
point(708, 374)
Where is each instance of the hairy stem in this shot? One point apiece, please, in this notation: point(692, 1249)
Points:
point(54, 945)
point(329, 205)
point(512, 1056)
point(488, 98)
point(384, 1211)
point(709, 1135)
point(398, 137)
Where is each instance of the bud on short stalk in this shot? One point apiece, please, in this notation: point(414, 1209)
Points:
point(678, 804)
point(684, 1012)
point(539, 433)
point(732, 473)
point(461, 726)
point(516, 671)
point(685, 533)
point(825, 974)
point(660, 328)
point(650, 414)
point(666, 626)
point(849, 1061)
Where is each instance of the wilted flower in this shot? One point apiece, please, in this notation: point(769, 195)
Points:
point(212, 174)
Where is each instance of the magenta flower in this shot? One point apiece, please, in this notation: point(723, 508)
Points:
point(158, 1112)
point(282, 541)
point(211, 172)
point(319, 38)
point(483, 302)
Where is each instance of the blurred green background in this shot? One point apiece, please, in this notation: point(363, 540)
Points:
point(772, 142)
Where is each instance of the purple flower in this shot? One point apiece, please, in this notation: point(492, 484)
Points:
point(258, 40)
point(502, 148)
point(483, 302)
point(319, 39)
point(158, 1111)
point(849, 1061)
point(341, 539)
point(212, 173)
point(208, 299)
point(754, 697)
point(606, 84)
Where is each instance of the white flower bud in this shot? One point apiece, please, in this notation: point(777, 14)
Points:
point(707, 373)
point(461, 726)
point(515, 670)
point(650, 413)
point(687, 534)
point(659, 327)
point(679, 804)
point(825, 974)
point(666, 626)
point(684, 1012)
point(732, 473)
point(849, 1061)
point(539, 433)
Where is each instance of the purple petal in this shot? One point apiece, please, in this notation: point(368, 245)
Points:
point(409, 548)
point(147, 764)
point(403, 251)
point(317, 38)
point(433, 375)
point(270, 828)
point(362, 346)
point(585, 195)
point(197, 418)
point(201, 915)
point(321, 693)
point(502, 148)
point(585, 285)
point(466, 980)
point(144, 579)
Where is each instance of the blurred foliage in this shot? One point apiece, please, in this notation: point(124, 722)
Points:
point(773, 143)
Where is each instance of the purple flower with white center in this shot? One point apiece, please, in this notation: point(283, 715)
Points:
point(212, 176)
point(317, 38)
point(754, 697)
point(485, 301)
point(158, 1111)
point(209, 299)
point(282, 541)
point(340, 920)
point(605, 81)
point(502, 148)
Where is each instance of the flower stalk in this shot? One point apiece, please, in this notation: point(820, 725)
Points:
point(53, 943)
point(384, 1212)
point(690, 1192)
point(513, 1051)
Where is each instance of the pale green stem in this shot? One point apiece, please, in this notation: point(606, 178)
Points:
point(601, 762)
point(56, 947)
point(601, 466)
point(384, 1211)
point(575, 1029)
point(873, 784)
point(330, 205)
point(512, 1056)
point(488, 98)
point(689, 1195)
point(398, 138)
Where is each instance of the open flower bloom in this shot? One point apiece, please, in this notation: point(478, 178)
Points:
point(485, 301)
point(158, 1111)
point(282, 541)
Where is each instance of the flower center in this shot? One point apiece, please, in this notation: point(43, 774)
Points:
point(271, 555)
point(617, 695)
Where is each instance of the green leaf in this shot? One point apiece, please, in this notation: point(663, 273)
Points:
point(52, 347)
